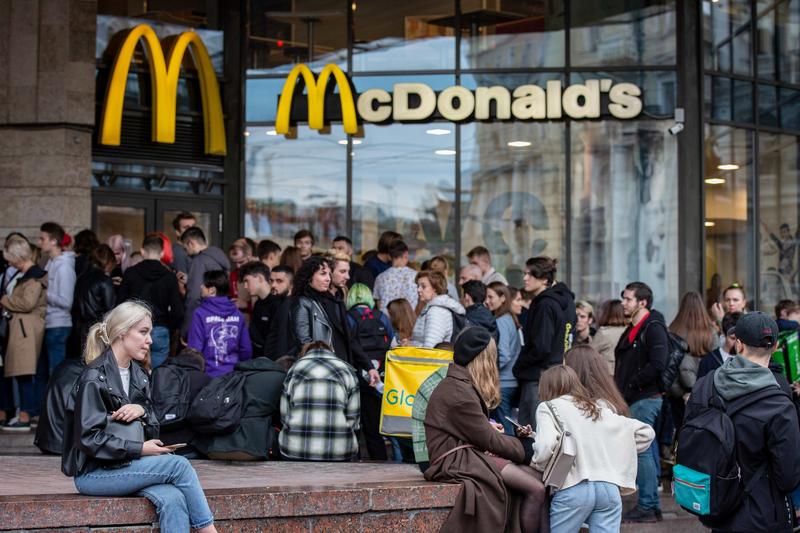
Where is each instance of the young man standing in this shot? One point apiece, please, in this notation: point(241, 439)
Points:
point(381, 262)
point(399, 281)
point(204, 259)
point(269, 253)
point(480, 257)
point(304, 240)
point(641, 356)
point(547, 332)
point(280, 339)
point(767, 429)
point(180, 259)
point(255, 277)
point(477, 312)
point(60, 292)
point(358, 273)
point(153, 283)
point(340, 274)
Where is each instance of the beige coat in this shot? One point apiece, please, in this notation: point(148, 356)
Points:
point(605, 341)
point(27, 305)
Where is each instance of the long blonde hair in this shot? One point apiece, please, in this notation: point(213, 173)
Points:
point(116, 323)
point(485, 376)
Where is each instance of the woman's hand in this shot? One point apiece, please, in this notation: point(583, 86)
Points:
point(154, 447)
point(526, 431)
point(128, 412)
point(497, 426)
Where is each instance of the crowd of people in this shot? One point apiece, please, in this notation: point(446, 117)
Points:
point(116, 357)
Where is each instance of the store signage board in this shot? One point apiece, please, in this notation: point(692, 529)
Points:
point(418, 102)
point(164, 73)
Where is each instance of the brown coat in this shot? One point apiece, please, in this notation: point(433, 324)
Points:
point(456, 415)
point(27, 305)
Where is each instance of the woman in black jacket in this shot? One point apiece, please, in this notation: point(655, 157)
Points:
point(94, 294)
point(109, 405)
point(318, 315)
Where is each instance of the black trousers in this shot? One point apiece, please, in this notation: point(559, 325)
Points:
point(370, 423)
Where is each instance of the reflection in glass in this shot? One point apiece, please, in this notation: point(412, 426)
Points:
point(636, 32)
point(120, 220)
point(404, 181)
point(512, 198)
point(728, 177)
point(726, 34)
point(779, 39)
point(294, 184)
point(409, 35)
point(659, 87)
point(779, 215)
point(523, 34)
point(730, 99)
point(624, 209)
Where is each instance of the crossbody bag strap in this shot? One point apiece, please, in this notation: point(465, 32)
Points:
point(557, 418)
point(449, 452)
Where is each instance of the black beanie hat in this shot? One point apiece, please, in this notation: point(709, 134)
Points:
point(469, 344)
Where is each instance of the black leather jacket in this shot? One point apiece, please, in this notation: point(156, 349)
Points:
point(97, 393)
point(94, 297)
point(50, 432)
point(310, 322)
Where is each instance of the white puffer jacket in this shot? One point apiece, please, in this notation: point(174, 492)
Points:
point(435, 323)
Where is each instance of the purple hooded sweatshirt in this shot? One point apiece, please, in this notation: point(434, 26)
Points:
point(219, 331)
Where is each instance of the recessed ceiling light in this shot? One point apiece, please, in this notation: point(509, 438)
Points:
point(247, 134)
point(710, 224)
point(445, 152)
point(343, 142)
point(437, 131)
point(519, 144)
point(728, 166)
point(272, 133)
point(356, 142)
point(715, 181)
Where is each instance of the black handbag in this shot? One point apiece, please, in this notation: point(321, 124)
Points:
point(5, 322)
point(132, 431)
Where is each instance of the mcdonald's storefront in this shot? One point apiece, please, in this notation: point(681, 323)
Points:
point(647, 139)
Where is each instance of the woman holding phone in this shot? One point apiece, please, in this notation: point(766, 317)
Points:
point(109, 406)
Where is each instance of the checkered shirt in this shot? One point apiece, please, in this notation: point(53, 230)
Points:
point(418, 413)
point(320, 409)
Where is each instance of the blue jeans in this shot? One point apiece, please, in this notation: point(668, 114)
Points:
point(595, 503)
point(647, 411)
point(159, 350)
point(505, 409)
point(54, 351)
point(169, 481)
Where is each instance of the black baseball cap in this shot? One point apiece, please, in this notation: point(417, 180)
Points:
point(757, 329)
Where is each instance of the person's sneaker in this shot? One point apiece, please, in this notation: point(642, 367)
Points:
point(34, 422)
point(659, 516)
point(646, 516)
point(17, 425)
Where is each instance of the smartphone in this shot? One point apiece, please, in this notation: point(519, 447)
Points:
point(516, 425)
point(173, 447)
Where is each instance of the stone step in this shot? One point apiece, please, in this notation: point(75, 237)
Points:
point(18, 443)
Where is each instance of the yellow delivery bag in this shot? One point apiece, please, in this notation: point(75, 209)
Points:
point(406, 368)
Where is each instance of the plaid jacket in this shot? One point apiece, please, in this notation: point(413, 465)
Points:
point(424, 392)
point(320, 409)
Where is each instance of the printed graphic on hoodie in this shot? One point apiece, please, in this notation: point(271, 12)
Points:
point(221, 334)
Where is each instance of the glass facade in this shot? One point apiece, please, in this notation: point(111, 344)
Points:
point(752, 110)
point(598, 195)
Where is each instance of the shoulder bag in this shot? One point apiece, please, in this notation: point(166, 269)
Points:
point(132, 431)
point(560, 463)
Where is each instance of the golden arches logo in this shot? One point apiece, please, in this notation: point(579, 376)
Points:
point(316, 98)
point(164, 74)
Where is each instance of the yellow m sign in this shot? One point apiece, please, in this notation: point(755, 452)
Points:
point(164, 74)
point(316, 98)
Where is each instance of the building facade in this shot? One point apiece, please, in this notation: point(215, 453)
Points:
point(697, 190)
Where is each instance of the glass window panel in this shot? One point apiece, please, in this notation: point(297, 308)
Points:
point(635, 32)
point(404, 180)
point(203, 222)
point(283, 33)
point(788, 31)
point(789, 107)
point(409, 35)
point(658, 87)
point(728, 208)
point(294, 184)
point(512, 197)
point(767, 105)
point(742, 101)
point(765, 46)
point(524, 34)
point(779, 197)
point(624, 209)
point(261, 104)
point(120, 220)
point(726, 29)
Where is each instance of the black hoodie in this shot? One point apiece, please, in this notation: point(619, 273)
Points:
point(639, 364)
point(153, 283)
point(547, 332)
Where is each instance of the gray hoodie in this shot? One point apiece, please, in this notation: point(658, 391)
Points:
point(60, 290)
point(212, 258)
point(739, 376)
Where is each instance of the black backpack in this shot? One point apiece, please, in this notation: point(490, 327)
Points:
point(707, 478)
point(372, 335)
point(677, 349)
point(218, 406)
point(170, 395)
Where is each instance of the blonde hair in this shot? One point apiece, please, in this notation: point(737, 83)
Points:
point(116, 323)
point(585, 306)
point(485, 376)
point(17, 248)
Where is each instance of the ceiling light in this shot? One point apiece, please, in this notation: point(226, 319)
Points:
point(356, 142)
point(272, 133)
point(343, 142)
point(247, 134)
point(445, 152)
point(710, 224)
point(715, 181)
point(728, 166)
point(519, 144)
point(437, 131)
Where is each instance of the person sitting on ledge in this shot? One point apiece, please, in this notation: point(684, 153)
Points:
point(102, 450)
